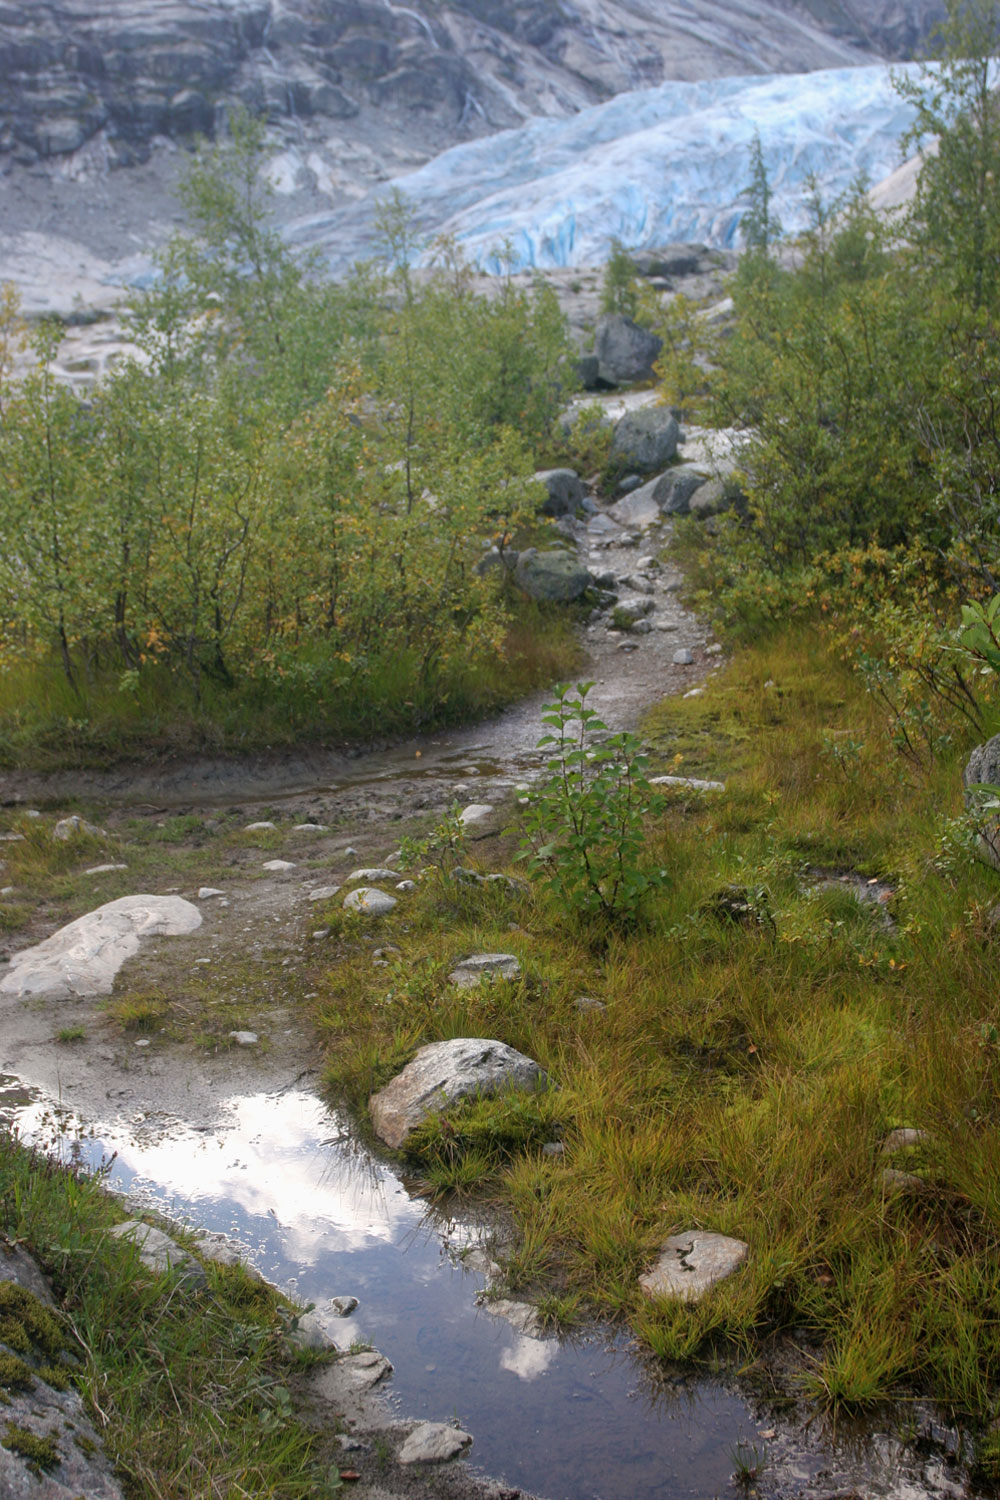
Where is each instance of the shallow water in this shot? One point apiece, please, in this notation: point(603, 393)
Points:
point(321, 1217)
point(569, 1419)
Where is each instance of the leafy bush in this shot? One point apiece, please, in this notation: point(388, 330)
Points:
point(584, 827)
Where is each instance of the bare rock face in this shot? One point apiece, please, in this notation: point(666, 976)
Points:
point(135, 70)
point(83, 958)
point(443, 1073)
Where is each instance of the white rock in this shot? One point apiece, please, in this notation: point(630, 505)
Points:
point(376, 873)
point(694, 783)
point(406, 885)
point(309, 1333)
point(351, 1375)
point(84, 957)
point(690, 1264)
point(695, 693)
point(479, 966)
point(433, 1443)
point(278, 866)
point(7, 890)
point(309, 828)
point(258, 827)
point(206, 892)
point(104, 869)
point(244, 1038)
point(367, 899)
point(158, 1252)
point(442, 1073)
point(475, 814)
point(17, 838)
point(323, 892)
point(68, 828)
point(683, 657)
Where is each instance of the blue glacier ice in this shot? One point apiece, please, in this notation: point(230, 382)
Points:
point(655, 165)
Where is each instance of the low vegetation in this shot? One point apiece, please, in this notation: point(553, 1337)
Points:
point(190, 1388)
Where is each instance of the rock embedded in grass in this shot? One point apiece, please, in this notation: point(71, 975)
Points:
point(70, 828)
point(691, 1264)
point(278, 866)
point(377, 872)
point(83, 958)
point(323, 893)
point(442, 1073)
point(159, 1253)
point(472, 971)
point(369, 900)
point(259, 827)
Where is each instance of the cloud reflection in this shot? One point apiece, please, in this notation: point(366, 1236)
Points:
point(529, 1358)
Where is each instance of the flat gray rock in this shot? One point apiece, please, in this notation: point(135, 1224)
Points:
point(638, 509)
point(323, 893)
point(443, 1073)
point(159, 1253)
point(83, 958)
point(71, 828)
point(375, 873)
point(691, 1264)
point(278, 866)
point(693, 783)
point(433, 1443)
point(476, 814)
point(351, 1375)
point(370, 900)
point(478, 967)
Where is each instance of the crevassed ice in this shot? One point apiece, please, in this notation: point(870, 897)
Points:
point(655, 165)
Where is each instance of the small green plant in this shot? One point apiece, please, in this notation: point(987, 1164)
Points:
point(748, 1464)
point(444, 846)
point(619, 293)
point(70, 1034)
point(584, 827)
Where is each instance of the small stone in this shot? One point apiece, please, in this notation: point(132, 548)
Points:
point(320, 934)
point(626, 646)
point(683, 657)
point(376, 873)
point(258, 827)
point(32, 812)
point(143, 1042)
point(309, 828)
point(278, 866)
point(68, 828)
point(690, 1264)
point(350, 852)
point(244, 1038)
point(104, 869)
point(342, 1307)
point(8, 890)
point(698, 692)
point(309, 1333)
point(206, 892)
point(202, 962)
point(901, 1182)
point(476, 814)
point(553, 1148)
point(691, 783)
point(18, 838)
point(369, 900)
point(323, 893)
point(433, 1443)
point(903, 1138)
point(586, 1003)
point(406, 885)
point(471, 971)
point(714, 650)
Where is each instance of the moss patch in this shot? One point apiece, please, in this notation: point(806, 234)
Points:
point(38, 1452)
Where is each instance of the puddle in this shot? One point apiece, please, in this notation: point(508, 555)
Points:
point(321, 1217)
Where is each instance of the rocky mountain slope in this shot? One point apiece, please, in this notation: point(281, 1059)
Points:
point(97, 96)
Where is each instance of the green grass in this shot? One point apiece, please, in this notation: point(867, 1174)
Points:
point(744, 1075)
point(192, 1390)
point(47, 724)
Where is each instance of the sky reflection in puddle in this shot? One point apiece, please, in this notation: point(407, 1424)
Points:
point(320, 1216)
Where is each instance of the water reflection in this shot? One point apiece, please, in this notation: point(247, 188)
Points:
point(319, 1215)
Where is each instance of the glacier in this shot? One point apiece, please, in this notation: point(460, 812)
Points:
point(649, 167)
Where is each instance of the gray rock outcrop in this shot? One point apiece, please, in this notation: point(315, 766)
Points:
point(370, 901)
point(433, 1443)
point(551, 577)
point(79, 1469)
point(83, 958)
point(160, 1254)
point(443, 1073)
point(479, 967)
point(982, 769)
point(625, 352)
point(564, 491)
point(645, 440)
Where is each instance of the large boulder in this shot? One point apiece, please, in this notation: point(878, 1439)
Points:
point(565, 491)
point(983, 769)
point(442, 1073)
point(639, 509)
point(552, 577)
point(675, 488)
point(645, 440)
point(84, 957)
point(624, 351)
